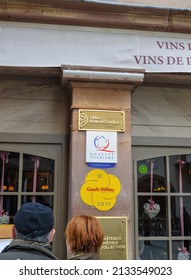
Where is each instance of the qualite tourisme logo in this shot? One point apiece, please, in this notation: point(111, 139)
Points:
point(102, 144)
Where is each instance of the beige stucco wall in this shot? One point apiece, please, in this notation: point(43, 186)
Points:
point(161, 112)
point(32, 105)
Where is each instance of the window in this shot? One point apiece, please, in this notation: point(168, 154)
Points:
point(24, 178)
point(163, 207)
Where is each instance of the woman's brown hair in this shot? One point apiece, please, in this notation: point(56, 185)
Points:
point(84, 234)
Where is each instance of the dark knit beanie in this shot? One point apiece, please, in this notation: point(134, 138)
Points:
point(34, 219)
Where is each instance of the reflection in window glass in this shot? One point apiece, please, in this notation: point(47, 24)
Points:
point(46, 200)
point(38, 174)
point(38, 177)
point(157, 250)
point(144, 172)
point(181, 225)
point(9, 169)
point(10, 208)
point(174, 228)
point(185, 172)
point(177, 253)
point(152, 216)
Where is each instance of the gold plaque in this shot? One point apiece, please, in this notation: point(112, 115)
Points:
point(103, 120)
point(114, 246)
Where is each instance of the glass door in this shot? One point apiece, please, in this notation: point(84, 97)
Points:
point(162, 203)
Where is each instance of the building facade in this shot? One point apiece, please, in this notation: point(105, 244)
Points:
point(95, 119)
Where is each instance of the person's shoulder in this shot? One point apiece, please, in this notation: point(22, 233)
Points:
point(24, 251)
point(26, 255)
point(85, 256)
point(9, 256)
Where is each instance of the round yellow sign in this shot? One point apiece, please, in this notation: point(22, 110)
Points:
point(100, 190)
point(99, 176)
point(101, 203)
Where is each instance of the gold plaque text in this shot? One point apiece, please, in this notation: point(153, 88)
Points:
point(114, 246)
point(103, 120)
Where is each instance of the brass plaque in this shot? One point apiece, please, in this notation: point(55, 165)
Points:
point(114, 246)
point(102, 120)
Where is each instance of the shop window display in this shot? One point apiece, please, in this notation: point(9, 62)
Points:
point(164, 211)
point(24, 178)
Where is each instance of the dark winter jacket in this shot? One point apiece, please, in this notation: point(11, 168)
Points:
point(20, 249)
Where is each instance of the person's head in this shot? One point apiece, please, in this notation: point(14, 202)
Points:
point(34, 221)
point(84, 234)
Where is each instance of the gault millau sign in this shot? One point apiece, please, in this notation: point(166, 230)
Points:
point(103, 120)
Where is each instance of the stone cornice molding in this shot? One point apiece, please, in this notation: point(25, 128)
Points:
point(150, 79)
point(105, 76)
point(82, 13)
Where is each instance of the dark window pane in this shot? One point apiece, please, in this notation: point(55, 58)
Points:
point(183, 173)
point(10, 208)
point(46, 200)
point(9, 170)
point(42, 169)
point(181, 216)
point(152, 217)
point(177, 253)
point(155, 250)
point(152, 175)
